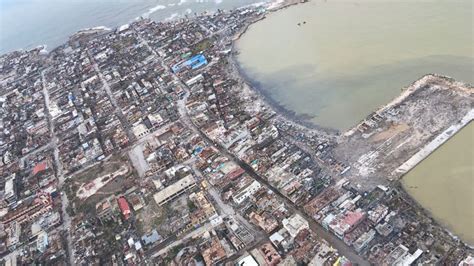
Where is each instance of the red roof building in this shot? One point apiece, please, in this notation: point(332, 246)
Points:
point(347, 222)
point(40, 167)
point(235, 173)
point(123, 205)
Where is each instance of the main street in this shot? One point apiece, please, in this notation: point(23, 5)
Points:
point(118, 111)
point(335, 242)
point(66, 225)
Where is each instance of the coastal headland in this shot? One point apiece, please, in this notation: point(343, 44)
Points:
point(163, 151)
point(402, 132)
point(394, 138)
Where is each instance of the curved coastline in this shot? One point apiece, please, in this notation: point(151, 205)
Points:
point(300, 119)
point(303, 120)
point(289, 115)
point(436, 221)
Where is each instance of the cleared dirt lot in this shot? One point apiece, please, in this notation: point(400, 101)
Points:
point(376, 148)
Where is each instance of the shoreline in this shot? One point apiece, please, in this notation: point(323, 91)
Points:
point(406, 92)
point(433, 145)
point(428, 213)
point(284, 113)
point(419, 157)
point(145, 15)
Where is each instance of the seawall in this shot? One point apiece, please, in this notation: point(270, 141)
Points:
point(434, 144)
point(406, 92)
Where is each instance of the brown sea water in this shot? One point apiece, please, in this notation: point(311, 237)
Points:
point(444, 184)
point(347, 58)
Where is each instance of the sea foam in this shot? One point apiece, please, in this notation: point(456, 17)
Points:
point(153, 10)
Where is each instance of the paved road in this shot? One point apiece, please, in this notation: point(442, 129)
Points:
point(66, 225)
point(241, 252)
point(335, 242)
point(40, 149)
point(304, 147)
point(118, 111)
point(345, 250)
point(173, 241)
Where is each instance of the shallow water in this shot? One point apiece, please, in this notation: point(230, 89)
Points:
point(444, 184)
point(347, 58)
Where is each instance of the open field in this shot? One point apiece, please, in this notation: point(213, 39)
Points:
point(100, 181)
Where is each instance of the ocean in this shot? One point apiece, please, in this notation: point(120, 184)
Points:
point(337, 61)
point(448, 173)
point(26, 24)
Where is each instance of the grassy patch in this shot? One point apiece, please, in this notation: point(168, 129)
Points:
point(202, 46)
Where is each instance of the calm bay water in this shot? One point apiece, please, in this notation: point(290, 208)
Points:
point(28, 23)
point(444, 184)
point(348, 57)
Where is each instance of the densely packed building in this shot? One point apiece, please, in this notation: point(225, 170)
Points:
point(144, 145)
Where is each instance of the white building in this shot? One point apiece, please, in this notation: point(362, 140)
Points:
point(295, 224)
point(246, 192)
point(10, 193)
point(175, 190)
point(247, 261)
point(140, 130)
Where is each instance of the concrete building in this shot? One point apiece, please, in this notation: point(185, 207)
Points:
point(140, 130)
point(171, 192)
point(28, 210)
point(346, 223)
point(364, 240)
point(215, 253)
point(105, 210)
point(467, 261)
point(246, 192)
point(295, 224)
point(10, 192)
point(401, 256)
point(247, 261)
point(124, 207)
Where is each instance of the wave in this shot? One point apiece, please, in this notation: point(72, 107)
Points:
point(123, 27)
point(173, 16)
point(258, 4)
point(97, 28)
point(153, 10)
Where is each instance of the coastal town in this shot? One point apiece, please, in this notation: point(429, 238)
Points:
point(145, 145)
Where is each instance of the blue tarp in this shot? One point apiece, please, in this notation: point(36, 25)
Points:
point(194, 62)
point(151, 238)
